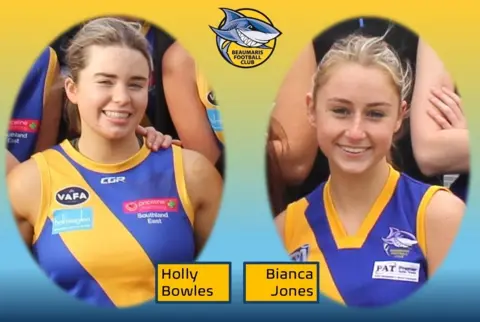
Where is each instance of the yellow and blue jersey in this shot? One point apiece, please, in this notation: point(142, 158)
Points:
point(27, 112)
point(207, 97)
point(384, 262)
point(103, 228)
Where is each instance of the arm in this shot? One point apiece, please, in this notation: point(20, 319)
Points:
point(204, 187)
point(436, 151)
point(443, 218)
point(52, 109)
point(12, 162)
point(185, 107)
point(23, 183)
point(296, 160)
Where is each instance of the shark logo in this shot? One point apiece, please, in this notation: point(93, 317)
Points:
point(246, 38)
point(398, 243)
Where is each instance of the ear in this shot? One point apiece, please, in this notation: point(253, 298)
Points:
point(401, 116)
point(311, 114)
point(71, 90)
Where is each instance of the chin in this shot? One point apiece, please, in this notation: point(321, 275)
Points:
point(353, 168)
point(115, 134)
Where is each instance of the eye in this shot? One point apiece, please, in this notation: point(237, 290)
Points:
point(105, 82)
point(375, 114)
point(136, 86)
point(340, 111)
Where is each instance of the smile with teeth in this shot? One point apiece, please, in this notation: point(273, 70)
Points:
point(247, 41)
point(117, 115)
point(353, 150)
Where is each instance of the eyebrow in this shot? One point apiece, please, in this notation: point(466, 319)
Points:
point(107, 75)
point(345, 101)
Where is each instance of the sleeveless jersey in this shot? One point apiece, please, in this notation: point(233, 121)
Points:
point(207, 97)
point(27, 113)
point(384, 262)
point(103, 228)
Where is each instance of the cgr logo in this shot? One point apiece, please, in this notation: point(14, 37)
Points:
point(111, 180)
point(72, 196)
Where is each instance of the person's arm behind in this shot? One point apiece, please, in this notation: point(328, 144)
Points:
point(297, 156)
point(186, 109)
point(436, 151)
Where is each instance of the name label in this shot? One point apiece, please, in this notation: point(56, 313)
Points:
point(281, 282)
point(198, 282)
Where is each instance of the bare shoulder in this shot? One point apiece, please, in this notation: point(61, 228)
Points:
point(204, 187)
point(445, 208)
point(176, 57)
point(23, 183)
point(198, 169)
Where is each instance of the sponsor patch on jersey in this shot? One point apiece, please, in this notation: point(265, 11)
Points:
point(24, 125)
point(215, 120)
point(149, 205)
point(300, 254)
point(396, 271)
point(67, 220)
point(72, 196)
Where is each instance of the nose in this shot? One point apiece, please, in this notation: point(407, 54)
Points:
point(121, 95)
point(355, 131)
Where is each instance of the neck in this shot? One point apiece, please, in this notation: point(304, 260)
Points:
point(107, 151)
point(354, 195)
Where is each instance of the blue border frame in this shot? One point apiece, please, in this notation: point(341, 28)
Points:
point(317, 264)
point(229, 264)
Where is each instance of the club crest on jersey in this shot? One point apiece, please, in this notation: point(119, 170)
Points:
point(300, 254)
point(72, 196)
point(398, 243)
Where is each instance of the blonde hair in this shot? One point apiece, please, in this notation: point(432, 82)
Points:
point(367, 52)
point(101, 32)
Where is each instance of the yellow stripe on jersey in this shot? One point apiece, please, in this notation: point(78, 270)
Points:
point(128, 164)
point(87, 245)
point(298, 232)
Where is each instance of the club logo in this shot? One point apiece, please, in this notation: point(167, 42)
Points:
point(246, 38)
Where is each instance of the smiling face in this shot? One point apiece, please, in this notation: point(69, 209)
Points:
point(356, 113)
point(111, 91)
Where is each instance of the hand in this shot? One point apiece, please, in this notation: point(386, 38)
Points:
point(447, 110)
point(156, 140)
